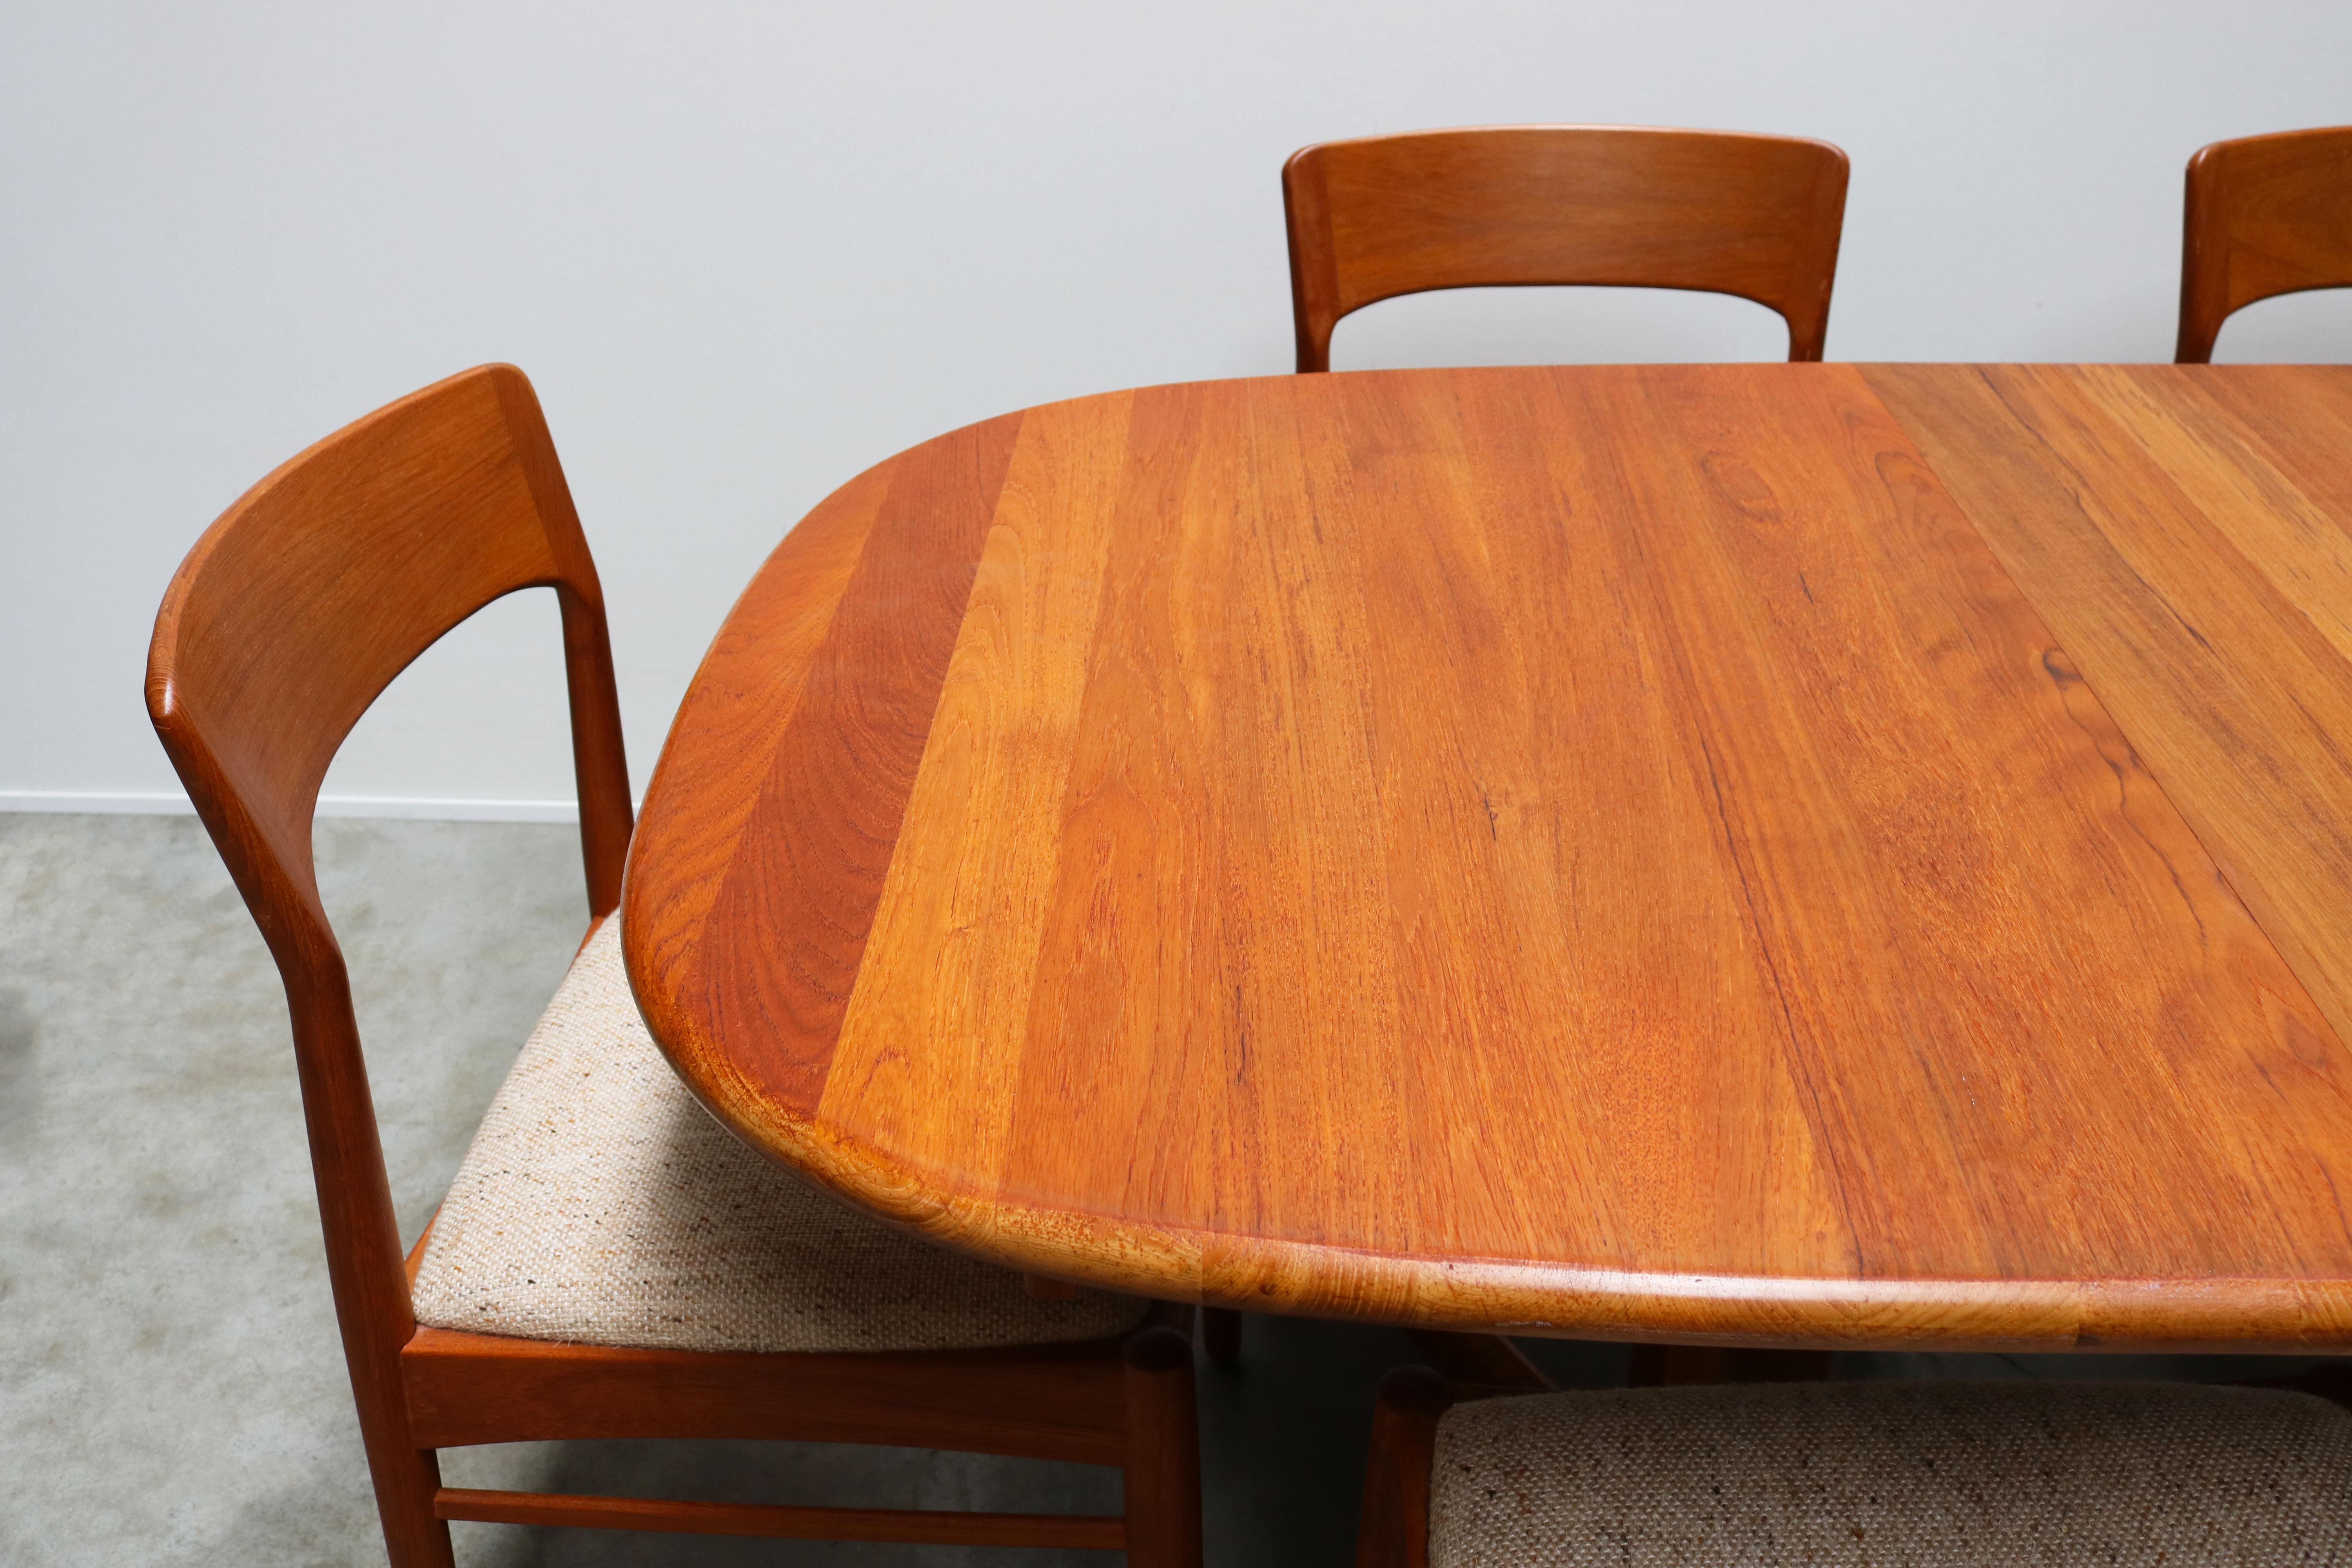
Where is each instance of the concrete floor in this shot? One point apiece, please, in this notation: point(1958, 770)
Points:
point(171, 1387)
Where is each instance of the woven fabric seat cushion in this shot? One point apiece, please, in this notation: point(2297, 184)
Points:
point(1953, 1475)
point(600, 1204)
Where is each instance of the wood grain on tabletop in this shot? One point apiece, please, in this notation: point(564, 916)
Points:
point(2184, 533)
point(1606, 851)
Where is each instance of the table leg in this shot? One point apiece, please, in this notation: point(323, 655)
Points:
point(1489, 1360)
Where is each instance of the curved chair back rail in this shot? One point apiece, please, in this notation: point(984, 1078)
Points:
point(1720, 212)
point(324, 582)
point(2263, 216)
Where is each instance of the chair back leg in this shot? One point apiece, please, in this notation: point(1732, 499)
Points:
point(1163, 1453)
point(415, 1535)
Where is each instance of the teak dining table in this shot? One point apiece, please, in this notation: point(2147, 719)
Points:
point(1801, 855)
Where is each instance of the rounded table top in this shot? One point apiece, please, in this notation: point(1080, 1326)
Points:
point(1602, 851)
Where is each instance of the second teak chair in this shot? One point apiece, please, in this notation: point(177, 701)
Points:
point(1720, 212)
point(2264, 215)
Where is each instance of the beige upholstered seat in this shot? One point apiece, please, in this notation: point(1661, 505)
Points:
point(2006, 1474)
point(601, 1205)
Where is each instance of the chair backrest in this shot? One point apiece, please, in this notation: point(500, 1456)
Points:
point(1757, 216)
point(2264, 215)
point(292, 613)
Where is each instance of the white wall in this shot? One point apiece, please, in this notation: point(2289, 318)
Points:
point(745, 251)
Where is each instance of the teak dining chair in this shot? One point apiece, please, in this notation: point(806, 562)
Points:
point(609, 1262)
point(1848, 1475)
point(2264, 215)
point(1720, 212)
